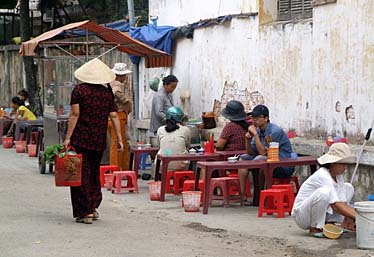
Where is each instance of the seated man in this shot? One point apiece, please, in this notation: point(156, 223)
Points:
point(324, 196)
point(258, 139)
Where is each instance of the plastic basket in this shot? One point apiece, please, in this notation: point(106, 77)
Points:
point(20, 146)
point(191, 200)
point(154, 190)
point(31, 149)
point(7, 142)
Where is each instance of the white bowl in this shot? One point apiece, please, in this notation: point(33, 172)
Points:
point(232, 159)
point(147, 145)
point(192, 151)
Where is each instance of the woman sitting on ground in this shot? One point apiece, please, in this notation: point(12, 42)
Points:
point(324, 197)
point(174, 138)
point(22, 113)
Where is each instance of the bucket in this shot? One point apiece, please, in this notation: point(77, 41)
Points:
point(154, 190)
point(364, 224)
point(31, 149)
point(191, 200)
point(20, 146)
point(7, 142)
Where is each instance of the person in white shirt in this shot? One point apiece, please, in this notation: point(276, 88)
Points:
point(174, 138)
point(324, 197)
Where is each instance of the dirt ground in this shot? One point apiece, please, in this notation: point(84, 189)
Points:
point(36, 220)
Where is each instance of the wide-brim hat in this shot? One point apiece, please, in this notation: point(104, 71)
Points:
point(95, 72)
point(121, 69)
point(338, 153)
point(234, 111)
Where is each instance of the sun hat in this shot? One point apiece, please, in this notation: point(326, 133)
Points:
point(234, 111)
point(260, 110)
point(338, 153)
point(95, 72)
point(121, 69)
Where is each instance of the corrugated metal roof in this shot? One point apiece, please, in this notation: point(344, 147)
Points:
point(153, 57)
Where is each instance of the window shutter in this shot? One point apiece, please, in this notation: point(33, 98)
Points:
point(294, 9)
point(284, 9)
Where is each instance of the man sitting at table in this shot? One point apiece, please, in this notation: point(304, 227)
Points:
point(257, 140)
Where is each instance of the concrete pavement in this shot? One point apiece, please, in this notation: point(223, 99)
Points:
point(36, 220)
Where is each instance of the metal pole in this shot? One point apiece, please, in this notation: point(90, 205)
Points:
point(135, 77)
point(130, 6)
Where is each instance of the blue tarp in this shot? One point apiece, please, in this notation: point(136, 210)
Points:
point(157, 37)
point(121, 25)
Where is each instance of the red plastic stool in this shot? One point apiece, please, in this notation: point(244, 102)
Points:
point(189, 185)
point(225, 183)
point(294, 179)
point(132, 181)
point(104, 169)
point(276, 202)
point(247, 186)
point(108, 181)
point(178, 179)
point(290, 193)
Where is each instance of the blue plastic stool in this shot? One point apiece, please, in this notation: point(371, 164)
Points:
point(143, 162)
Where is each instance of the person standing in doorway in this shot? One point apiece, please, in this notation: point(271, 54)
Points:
point(91, 104)
point(161, 102)
point(124, 106)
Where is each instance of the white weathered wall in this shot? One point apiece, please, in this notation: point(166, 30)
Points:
point(301, 69)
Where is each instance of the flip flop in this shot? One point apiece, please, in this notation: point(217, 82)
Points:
point(318, 235)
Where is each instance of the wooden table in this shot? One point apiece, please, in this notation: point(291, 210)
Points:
point(300, 161)
point(29, 127)
point(135, 153)
point(179, 157)
point(22, 123)
point(210, 167)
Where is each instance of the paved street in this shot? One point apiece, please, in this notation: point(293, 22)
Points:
point(36, 220)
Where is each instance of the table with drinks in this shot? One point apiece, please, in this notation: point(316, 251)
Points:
point(210, 167)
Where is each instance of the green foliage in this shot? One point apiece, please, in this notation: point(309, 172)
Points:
point(51, 151)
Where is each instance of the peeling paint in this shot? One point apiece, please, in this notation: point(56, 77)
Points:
point(301, 68)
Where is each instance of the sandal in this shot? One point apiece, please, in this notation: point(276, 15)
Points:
point(95, 215)
point(85, 220)
point(247, 203)
point(318, 235)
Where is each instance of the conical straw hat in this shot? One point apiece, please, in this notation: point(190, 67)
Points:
point(95, 72)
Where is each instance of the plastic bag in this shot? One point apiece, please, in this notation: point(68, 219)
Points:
point(68, 168)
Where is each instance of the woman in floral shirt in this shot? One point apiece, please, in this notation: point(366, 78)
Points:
point(91, 104)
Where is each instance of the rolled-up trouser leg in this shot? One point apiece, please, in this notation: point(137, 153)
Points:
point(312, 213)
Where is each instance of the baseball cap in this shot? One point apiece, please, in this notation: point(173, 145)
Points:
point(260, 110)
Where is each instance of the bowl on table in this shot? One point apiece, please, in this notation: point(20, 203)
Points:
point(232, 159)
point(192, 151)
point(147, 146)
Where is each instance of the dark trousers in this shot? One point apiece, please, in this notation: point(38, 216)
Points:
point(87, 197)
